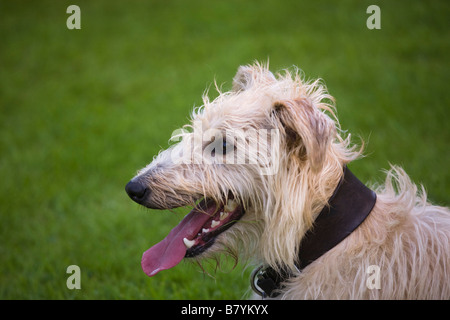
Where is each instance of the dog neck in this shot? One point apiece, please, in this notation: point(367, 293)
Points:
point(347, 208)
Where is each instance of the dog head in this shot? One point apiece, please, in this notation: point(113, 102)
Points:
point(256, 164)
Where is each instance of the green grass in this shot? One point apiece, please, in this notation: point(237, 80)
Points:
point(82, 110)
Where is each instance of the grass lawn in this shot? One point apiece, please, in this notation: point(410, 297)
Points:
point(82, 110)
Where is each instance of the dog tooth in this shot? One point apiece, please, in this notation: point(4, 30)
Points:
point(188, 243)
point(231, 205)
point(223, 215)
point(214, 223)
point(205, 230)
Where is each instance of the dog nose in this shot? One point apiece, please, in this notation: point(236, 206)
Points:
point(136, 191)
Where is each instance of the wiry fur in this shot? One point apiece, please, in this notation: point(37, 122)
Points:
point(405, 236)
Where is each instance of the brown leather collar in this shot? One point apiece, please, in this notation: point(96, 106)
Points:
point(347, 208)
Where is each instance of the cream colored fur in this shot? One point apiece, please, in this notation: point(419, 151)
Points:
point(406, 237)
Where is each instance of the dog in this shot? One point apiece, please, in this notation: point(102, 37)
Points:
point(265, 169)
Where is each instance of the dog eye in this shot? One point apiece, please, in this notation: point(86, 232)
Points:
point(227, 147)
point(224, 147)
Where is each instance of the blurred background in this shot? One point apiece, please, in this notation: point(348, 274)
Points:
point(82, 110)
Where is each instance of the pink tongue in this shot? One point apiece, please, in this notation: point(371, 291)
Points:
point(171, 250)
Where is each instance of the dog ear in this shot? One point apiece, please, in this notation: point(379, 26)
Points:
point(247, 76)
point(308, 131)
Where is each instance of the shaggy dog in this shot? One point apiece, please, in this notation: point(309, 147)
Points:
point(264, 167)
